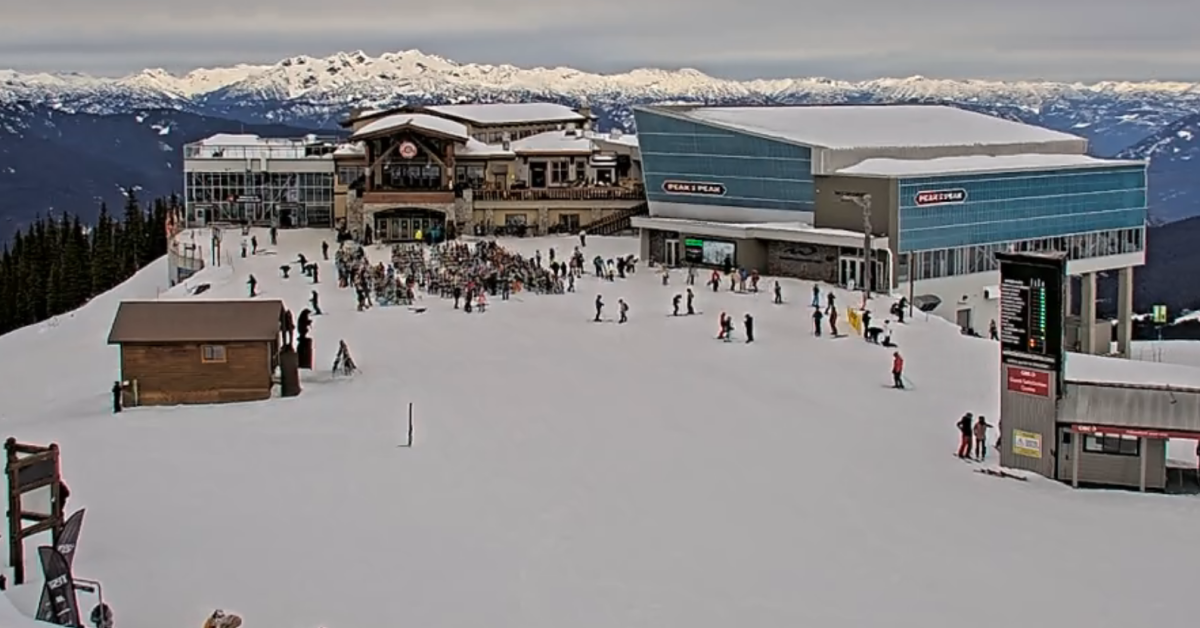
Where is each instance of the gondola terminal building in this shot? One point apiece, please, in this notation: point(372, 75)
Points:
point(783, 189)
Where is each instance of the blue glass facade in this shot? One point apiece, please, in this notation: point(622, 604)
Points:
point(755, 172)
point(1013, 206)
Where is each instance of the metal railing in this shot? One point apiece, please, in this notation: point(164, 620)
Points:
point(563, 194)
point(322, 148)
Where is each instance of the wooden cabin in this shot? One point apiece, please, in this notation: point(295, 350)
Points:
point(193, 352)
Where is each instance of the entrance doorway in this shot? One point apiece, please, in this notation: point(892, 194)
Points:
point(850, 270)
point(671, 253)
point(402, 225)
point(962, 318)
point(537, 174)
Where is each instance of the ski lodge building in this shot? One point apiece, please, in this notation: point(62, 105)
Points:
point(524, 167)
point(792, 190)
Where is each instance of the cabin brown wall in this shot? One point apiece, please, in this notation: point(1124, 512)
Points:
point(174, 374)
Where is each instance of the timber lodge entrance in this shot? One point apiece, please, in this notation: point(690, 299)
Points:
point(402, 224)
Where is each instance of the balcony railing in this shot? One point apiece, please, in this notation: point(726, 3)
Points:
point(563, 194)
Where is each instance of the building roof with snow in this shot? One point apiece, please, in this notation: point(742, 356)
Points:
point(419, 121)
point(249, 146)
point(507, 114)
point(874, 126)
point(972, 164)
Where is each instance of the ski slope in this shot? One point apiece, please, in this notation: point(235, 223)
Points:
point(571, 474)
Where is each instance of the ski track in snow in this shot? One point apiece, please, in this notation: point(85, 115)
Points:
point(568, 474)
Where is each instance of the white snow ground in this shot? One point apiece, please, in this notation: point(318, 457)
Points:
point(574, 474)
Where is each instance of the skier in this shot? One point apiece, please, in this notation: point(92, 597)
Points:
point(748, 323)
point(887, 334)
point(666, 275)
point(325, 250)
point(965, 432)
point(897, 370)
point(715, 281)
point(253, 284)
point(816, 316)
point(866, 327)
point(721, 327)
point(690, 297)
point(243, 248)
point(315, 302)
point(623, 310)
point(778, 293)
point(570, 283)
point(691, 275)
point(675, 304)
point(274, 235)
point(116, 397)
point(314, 273)
point(980, 433)
point(816, 300)
point(254, 245)
point(992, 333)
point(833, 316)
point(582, 239)
point(599, 301)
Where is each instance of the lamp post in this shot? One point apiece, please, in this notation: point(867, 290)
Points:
point(864, 203)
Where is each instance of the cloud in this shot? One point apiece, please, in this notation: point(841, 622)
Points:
point(1059, 39)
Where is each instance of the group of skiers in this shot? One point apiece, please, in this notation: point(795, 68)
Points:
point(974, 431)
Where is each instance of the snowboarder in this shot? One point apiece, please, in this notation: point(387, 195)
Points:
point(898, 370)
point(315, 302)
point(965, 432)
point(691, 310)
point(253, 284)
point(778, 293)
point(623, 310)
point(675, 304)
point(599, 301)
point(980, 433)
point(817, 316)
point(748, 324)
point(325, 250)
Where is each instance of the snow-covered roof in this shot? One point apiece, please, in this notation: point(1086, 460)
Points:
point(786, 231)
point(350, 149)
point(508, 113)
point(875, 126)
point(1082, 368)
point(476, 148)
point(248, 146)
point(887, 167)
point(554, 142)
point(424, 122)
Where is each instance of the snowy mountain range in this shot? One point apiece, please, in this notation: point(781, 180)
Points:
point(1134, 119)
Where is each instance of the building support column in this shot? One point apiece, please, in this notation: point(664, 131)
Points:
point(1087, 313)
point(1068, 292)
point(1076, 450)
point(1125, 312)
point(1142, 460)
point(644, 245)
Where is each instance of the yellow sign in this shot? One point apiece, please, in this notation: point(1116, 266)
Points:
point(1028, 444)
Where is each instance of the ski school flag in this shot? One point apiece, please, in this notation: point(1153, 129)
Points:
point(68, 538)
point(59, 588)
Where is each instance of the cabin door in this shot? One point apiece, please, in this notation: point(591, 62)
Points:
point(537, 174)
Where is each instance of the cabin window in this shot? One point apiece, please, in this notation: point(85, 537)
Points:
point(210, 354)
point(1114, 444)
point(560, 172)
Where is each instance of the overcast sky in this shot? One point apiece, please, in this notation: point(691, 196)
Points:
point(1054, 39)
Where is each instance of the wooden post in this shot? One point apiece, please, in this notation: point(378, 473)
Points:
point(16, 545)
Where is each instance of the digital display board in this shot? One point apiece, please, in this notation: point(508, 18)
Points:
point(709, 252)
point(1032, 309)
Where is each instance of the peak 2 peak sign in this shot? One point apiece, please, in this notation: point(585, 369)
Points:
point(940, 197)
point(693, 187)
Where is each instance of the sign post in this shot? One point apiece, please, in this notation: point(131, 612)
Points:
point(1032, 307)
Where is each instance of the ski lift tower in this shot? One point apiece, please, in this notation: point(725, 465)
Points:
point(864, 203)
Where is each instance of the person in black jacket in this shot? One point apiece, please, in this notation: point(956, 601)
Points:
point(748, 323)
point(965, 426)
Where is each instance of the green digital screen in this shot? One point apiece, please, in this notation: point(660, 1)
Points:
point(693, 242)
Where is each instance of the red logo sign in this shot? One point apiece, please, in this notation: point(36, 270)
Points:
point(408, 150)
point(940, 197)
point(1028, 382)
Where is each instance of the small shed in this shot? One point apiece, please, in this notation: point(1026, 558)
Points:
point(193, 351)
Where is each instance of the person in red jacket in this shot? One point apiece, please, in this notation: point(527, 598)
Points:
point(897, 370)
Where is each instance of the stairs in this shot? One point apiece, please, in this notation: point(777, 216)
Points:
point(617, 222)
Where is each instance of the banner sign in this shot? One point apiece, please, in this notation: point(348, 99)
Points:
point(1028, 444)
point(694, 187)
point(1028, 381)
point(940, 197)
point(60, 586)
